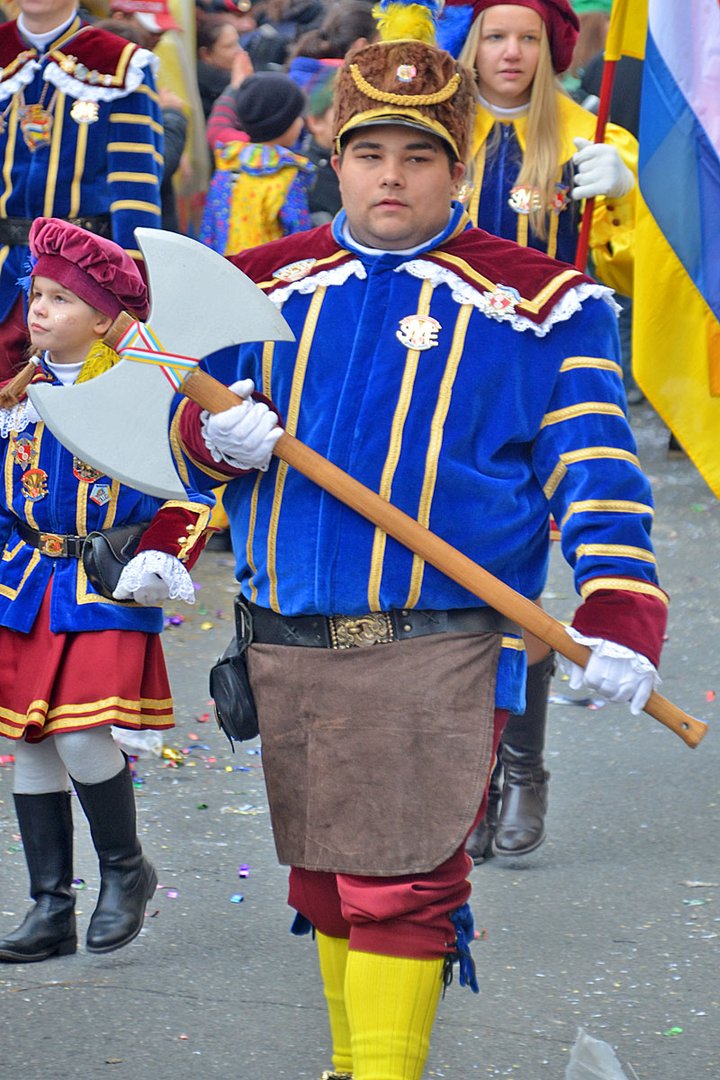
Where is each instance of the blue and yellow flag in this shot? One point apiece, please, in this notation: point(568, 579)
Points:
point(627, 30)
point(676, 314)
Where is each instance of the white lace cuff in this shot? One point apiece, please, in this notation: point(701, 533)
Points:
point(166, 566)
point(611, 650)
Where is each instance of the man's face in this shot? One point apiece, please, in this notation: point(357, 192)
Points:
point(396, 185)
point(43, 15)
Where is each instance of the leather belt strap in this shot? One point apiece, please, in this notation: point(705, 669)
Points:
point(15, 231)
point(57, 545)
point(374, 628)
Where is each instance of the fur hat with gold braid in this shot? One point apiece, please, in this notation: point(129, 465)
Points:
point(405, 79)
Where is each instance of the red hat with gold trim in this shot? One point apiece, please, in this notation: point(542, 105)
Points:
point(405, 79)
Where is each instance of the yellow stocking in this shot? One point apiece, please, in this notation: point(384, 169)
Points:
point(391, 1004)
point(333, 954)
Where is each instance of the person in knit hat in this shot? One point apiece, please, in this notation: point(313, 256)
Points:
point(77, 658)
point(533, 166)
point(260, 187)
point(475, 385)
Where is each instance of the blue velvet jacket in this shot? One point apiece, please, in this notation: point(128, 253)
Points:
point(95, 146)
point(48, 488)
point(475, 385)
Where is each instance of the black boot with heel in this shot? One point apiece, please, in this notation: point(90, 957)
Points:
point(48, 929)
point(521, 824)
point(127, 879)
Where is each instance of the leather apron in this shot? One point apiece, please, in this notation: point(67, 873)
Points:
point(376, 758)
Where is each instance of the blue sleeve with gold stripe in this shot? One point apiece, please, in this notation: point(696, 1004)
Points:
point(585, 457)
point(135, 163)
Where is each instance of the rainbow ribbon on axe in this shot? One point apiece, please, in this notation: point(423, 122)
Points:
point(141, 344)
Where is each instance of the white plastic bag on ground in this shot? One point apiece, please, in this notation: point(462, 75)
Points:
point(138, 743)
point(593, 1059)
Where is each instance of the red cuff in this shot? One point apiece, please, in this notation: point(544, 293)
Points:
point(179, 529)
point(635, 620)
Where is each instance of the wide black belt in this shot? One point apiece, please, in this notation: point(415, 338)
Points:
point(15, 231)
point(57, 545)
point(373, 628)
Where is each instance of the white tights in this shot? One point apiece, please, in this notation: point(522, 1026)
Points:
point(90, 757)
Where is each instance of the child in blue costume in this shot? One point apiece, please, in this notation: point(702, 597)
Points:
point(74, 661)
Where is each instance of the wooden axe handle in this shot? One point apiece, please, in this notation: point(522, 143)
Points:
point(214, 396)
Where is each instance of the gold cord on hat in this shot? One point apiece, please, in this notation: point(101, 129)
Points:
point(444, 94)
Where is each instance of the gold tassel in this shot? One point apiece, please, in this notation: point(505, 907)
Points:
point(99, 360)
point(14, 391)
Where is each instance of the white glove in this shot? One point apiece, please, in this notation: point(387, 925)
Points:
point(243, 436)
point(154, 576)
point(600, 171)
point(613, 671)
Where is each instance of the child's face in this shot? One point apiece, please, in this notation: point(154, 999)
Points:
point(322, 128)
point(61, 322)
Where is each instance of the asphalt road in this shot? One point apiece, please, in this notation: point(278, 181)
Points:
point(611, 926)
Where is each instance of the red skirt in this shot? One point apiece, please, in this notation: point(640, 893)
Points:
point(51, 683)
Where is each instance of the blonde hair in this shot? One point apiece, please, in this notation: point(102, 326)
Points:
point(540, 165)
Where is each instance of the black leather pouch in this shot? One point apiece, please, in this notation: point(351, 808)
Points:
point(105, 554)
point(230, 688)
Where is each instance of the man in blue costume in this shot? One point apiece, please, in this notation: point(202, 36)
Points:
point(476, 385)
point(80, 139)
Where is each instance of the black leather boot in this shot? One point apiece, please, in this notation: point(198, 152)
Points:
point(127, 879)
point(479, 842)
point(47, 834)
point(521, 825)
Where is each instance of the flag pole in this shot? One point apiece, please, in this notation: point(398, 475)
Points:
point(606, 87)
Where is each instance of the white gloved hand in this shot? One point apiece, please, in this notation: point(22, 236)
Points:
point(244, 435)
point(600, 171)
point(613, 671)
point(152, 577)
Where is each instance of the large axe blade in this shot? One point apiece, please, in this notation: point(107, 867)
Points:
point(102, 396)
point(199, 303)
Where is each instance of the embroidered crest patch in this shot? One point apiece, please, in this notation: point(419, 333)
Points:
point(294, 271)
point(502, 300)
point(83, 471)
point(23, 451)
point(34, 484)
point(524, 199)
point(85, 112)
point(418, 332)
point(100, 494)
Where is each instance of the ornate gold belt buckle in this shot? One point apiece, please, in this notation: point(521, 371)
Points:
point(357, 631)
point(52, 544)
